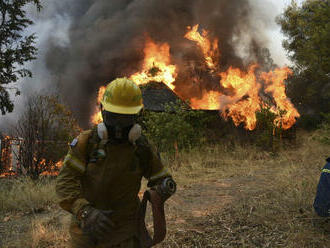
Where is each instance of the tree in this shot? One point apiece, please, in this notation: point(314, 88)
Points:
point(15, 49)
point(45, 128)
point(307, 28)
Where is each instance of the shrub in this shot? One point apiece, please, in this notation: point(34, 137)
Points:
point(176, 128)
point(323, 133)
point(269, 132)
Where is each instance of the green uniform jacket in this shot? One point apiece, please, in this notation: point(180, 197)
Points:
point(107, 181)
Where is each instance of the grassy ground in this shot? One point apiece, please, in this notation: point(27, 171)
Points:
point(227, 197)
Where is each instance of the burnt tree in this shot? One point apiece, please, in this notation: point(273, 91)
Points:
point(45, 127)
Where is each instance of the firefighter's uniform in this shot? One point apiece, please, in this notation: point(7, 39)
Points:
point(106, 174)
point(322, 199)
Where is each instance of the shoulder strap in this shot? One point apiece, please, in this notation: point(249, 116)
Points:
point(92, 144)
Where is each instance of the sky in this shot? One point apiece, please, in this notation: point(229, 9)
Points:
point(276, 37)
point(47, 23)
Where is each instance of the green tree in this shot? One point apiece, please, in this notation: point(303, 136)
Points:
point(15, 49)
point(307, 28)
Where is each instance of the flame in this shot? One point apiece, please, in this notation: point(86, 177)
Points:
point(276, 86)
point(8, 174)
point(97, 116)
point(210, 100)
point(54, 169)
point(238, 94)
point(157, 65)
point(6, 160)
point(245, 101)
point(209, 49)
point(59, 164)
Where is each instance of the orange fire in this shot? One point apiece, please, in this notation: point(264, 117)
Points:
point(8, 174)
point(239, 91)
point(54, 169)
point(245, 101)
point(209, 101)
point(276, 86)
point(97, 116)
point(157, 65)
point(210, 49)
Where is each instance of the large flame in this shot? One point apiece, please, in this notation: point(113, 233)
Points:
point(238, 95)
point(275, 85)
point(209, 101)
point(245, 101)
point(210, 49)
point(157, 65)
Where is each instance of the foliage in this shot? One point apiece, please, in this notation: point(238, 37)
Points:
point(15, 49)
point(307, 28)
point(177, 128)
point(46, 126)
point(269, 131)
point(323, 133)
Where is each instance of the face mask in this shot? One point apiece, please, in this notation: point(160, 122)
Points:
point(118, 125)
point(118, 120)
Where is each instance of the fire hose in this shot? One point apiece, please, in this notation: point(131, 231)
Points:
point(157, 197)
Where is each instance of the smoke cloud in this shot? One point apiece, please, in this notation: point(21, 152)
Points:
point(106, 40)
point(88, 43)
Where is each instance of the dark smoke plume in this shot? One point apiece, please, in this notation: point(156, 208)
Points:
point(106, 40)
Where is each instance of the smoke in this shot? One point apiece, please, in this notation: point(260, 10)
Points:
point(106, 38)
point(87, 43)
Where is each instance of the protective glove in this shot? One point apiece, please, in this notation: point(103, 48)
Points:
point(96, 223)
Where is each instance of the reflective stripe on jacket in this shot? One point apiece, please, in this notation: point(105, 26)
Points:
point(322, 199)
point(109, 180)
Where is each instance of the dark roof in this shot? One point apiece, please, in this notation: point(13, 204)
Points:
point(156, 96)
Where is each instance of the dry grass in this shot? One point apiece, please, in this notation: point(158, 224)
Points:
point(26, 195)
point(270, 201)
point(273, 211)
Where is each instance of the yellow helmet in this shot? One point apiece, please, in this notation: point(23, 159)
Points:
point(122, 96)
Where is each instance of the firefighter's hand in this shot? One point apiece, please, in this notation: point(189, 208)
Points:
point(95, 222)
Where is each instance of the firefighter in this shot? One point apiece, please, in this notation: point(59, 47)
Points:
point(101, 176)
point(322, 199)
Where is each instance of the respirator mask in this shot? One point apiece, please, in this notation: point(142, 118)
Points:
point(118, 125)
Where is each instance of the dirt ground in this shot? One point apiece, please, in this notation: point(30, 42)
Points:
point(233, 199)
point(186, 211)
point(193, 211)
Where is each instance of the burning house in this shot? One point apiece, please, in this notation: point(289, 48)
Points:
point(208, 53)
point(238, 94)
point(211, 53)
point(156, 96)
